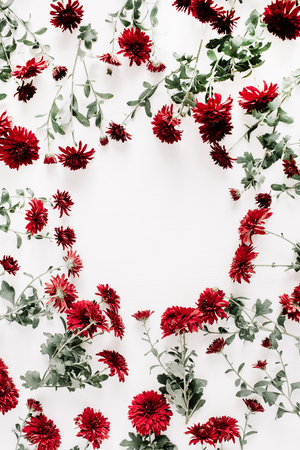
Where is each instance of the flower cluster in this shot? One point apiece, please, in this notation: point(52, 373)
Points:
point(216, 429)
point(9, 394)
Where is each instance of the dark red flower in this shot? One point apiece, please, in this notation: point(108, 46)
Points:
point(226, 427)
point(142, 316)
point(37, 216)
point(116, 363)
point(5, 123)
point(25, 92)
point(66, 17)
point(62, 293)
point(180, 319)
point(216, 346)
point(266, 343)
point(241, 267)
point(9, 394)
point(73, 263)
point(235, 194)
point(3, 368)
point(10, 265)
point(59, 72)
point(135, 45)
point(42, 432)
point(260, 364)
point(204, 10)
point(109, 296)
point(118, 132)
point(116, 323)
point(211, 303)
point(149, 413)
point(31, 69)
point(291, 304)
point(62, 201)
point(263, 200)
point(65, 237)
point(254, 99)
point(224, 22)
point(220, 156)
point(282, 19)
point(94, 427)
point(50, 159)
point(164, 125)
point(109, 59)
point(19, 147)
point(103, 140)
point(253, 223)
point(87, 317)
point(155, 66)
point(74, 158)
point(290, 167)
point(34, 405)
point(253, 405)
point(205, 434)
point(183, 5)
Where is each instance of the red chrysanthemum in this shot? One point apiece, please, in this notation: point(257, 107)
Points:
point(291, 304)
point(235, 194)
point(116, 323)
point(9, 394)
point(62, 201)
point(260, 364)
point(73, 263)
point(74, 158)
point(25, 92)
point(220, 156)
point(253, 405)
point(50, 158)
point(66, 17)
point(224, 22)
point(155, 66)
point(214, 117)
point(94, 427)
point(109, 296)
point(266, 343)
point(109, 59)
point(42, 432)
point(290, 167)
point(149, 413)
point(10, 265)
point(216, 346)
point(59, 72)
point(34, 405)
point(283, 19)
point(204, 10)
point(18, 147)
point(254, 99)
point(62, 293)
point(241, 267)
point(135, 45)
point(253, 223)
point(180, 319)
point(116, 363)
point(6, 123)
point(164, 125)
point(263, 200)
point(37, 216)
point(211, 303)
point(103, 140)
point(31, 69)
point(226, 427)
point(3, 368)
point(65, 237)
point(142, 316)
point(183, 5)
point(86, 314)
point(205, 434)
point(118, 132)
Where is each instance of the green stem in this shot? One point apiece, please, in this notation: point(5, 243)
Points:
point(183, 354)
point(93, 90)
point(280, 236)
point(20, 435)
point(153, 349)
point(244, 430)
point(49, 117)
point(72, 91)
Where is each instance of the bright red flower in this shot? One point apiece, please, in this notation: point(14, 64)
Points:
point(183, 5)
point(224, 22)
point(25, 92)
point(65, 237)
point(220, 156)
point(290, 167)
point(94, 427)
point(118, 132)
point(62, 293)
point(42, 432)
point(180, 319)
point(50, 159)
point(31, 69)
point(205, 434)
point(59, 72)
point(241, 267)
point(204, 10)
point(34, 405)
point(116, 323)
point(253, 405)
point(254, 99)
point(109, 296)
point(86, 314)
point(135, 45)
point(3, 368)
point(155, 66)
point(66, 17)
point(211, 303)
point(283, 19)
point(10, 265)
point(103, 140)
point(5, 123)
point(9, 394)
point(73, 263)
point(37, 216)
point(226, 427)
point(142, 316)
point(62, 201)
point(109, 59)
point(260, 364)
point(235, 194)
point(263, 200)
point(74, 158)
point(149, 413)
point(253, 223)
point(266, 343)
point(291, 304)
point(164, 125)
point(216, 346)
point(19, 147)
point(116, 363)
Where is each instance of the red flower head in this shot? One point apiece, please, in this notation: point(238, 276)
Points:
point(235, 194)
point(290, 167)
point(62, 201)
point(116, 323)
point(3, 368)
point(205, 434)
point(142, 316)
point(135, 45)
point(253, 223)
point(34, 405)
point(50, 158)
point(59, 72)
point(155, 66)
point(25, 92)
point(224, 22)
point(164, 125)
point(282, 19)
point(266, 343)
point(10, 265)
point(220, 156)
point(9, 394)
point(65, 237)
point(62, 293)
point(109, 296)
point(216, 346)
point(254, 99)
point(103, 140)
point(116, 363)
point(291, 304)
point(31, 69)
point(75, 158)
point(253, 405)
point(149, 413)
point(205, 10)
point(42, 432)
point(94, 427)
point(183, 5)
point(5, 123)
point(263, 200)
point(109, 59)
point(73, 263)
point(19, 147)
point(214, 117)
point(180, 319)
point(66, 17)
point(117, 132)
point(241, 267)
point(86, 314)
point(211, 303)
point(226, 427)
point(260, 364)
point(37, 216)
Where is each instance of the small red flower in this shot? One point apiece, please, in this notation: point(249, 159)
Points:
point(211, 303)
point(220, 156)
point(266, 343)
point(216, 346)
point(66, 17)
point(9, 394)
point(31, 69)
point(116, 363)
point(19, 147)
point(103, 140)
point(25, 92)
point(260, 364)
point(10, 265)
point(109, 59)
point(224, 22)
point(149, 413)
point(74, 158)
point(63, 202)
point(135, 45)
point(86, 314)
point(142, 316)
point(73, 263)
point(50, 159)
point(205, 434)
point(183, 5)
point(6, 123)
point(59, 72)
point(263, 200)
point(241, 267)
point(94, 427)
point(65, 237)
point(116, 323)
point(62, 293)
point(254, 99)
point(291, 304)
point(155, 66)
point(37, 216)
point(34, 405)
point(109, 296)
point(180, 319)
point(235, 194)
point(42, 432)
point(253, 223)
point(226, 427)
point(290, 167)
point(204, 10)
point(282, 19)
point(253, 405)
point(164, 125)
point(118, 132)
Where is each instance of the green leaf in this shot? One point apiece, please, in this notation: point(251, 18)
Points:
point(211, 55)
point(134, 444)
point(87, 89)
point(230, 339)
point(28, 43)
point(32, 380)
point(19, 240)
point(7, 4)
point(244, 393)
point(7, 292)
point(128, 5)
point(40, 31)
point(176, 369)
point(270, 397)
point(295, 385)
point(262, 308)
point(81, 118)
point(4, 197)
point(57, 128)
point(148, 107)
point(3, 96)
point(105, 96)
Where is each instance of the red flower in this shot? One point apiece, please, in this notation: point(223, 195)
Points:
point(62, 201)
point(118, 132)
point(203, 434)
point(103, 140)
point(42, 432)
point(254, 99)
point(214, 117)
point(211, 303)
point(180, 319)
point(226, 427)
point(220, 156)
point(263, 200)
point(109, 59)
point(5, 123)
point(115, 362)
point(65, 237)
point(252, 224)
point(86, 314)
point(290, 167)
point(50, 159)
point(34, 405)
point(25, 92)
point(291, 304)
point(10, 265)
point(282, 19)
point(19, 147)
point(59, 72)
point(73, 263)
point(224, 22)
point(241, 267)
point(37, 216)
point(109, 296)
point(149, 413)
point(62, 293)
point(164, 125)
point(75, 158)
point(3, 368)
point(66, 17)
point(142, 316)
point(235, 194)
point(183, 5)
point(204, 10)
point(116, 323)
point(253, 405)
point(266, 343)
point(216, 346)
point(155, 66)
point(9, 394)
point(31, 69)
point(260, 365)
point(135, 45)
point(94, 427)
